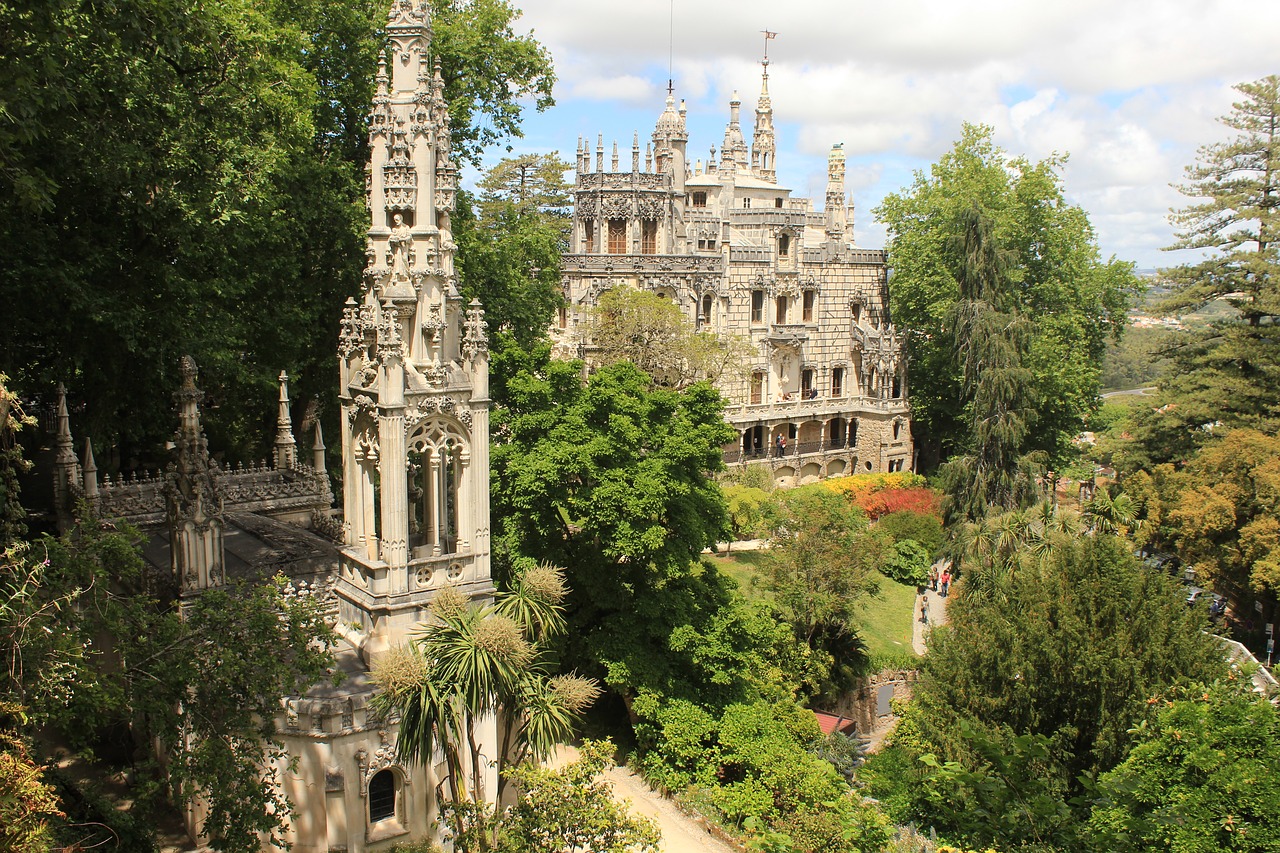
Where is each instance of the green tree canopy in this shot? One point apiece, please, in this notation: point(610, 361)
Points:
point(1053, 276)
point(651, 332)
point(1227, 373)
point(1201, 777)
point(1049, 680)
point(509, 242)
point(188, 178)
point(611, 478)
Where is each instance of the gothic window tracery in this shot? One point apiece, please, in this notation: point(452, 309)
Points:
point(437, 455)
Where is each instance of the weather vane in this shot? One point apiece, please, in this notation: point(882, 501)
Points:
point(767, 35)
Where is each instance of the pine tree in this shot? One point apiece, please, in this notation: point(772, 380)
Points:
point(991, 341)
point(1240, 220)
point(1229, 374)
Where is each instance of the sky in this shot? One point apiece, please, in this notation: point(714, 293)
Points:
point(1127, 89)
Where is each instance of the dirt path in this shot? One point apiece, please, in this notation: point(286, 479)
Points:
point(680, 834)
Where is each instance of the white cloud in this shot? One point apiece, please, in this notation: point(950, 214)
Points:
point(1129, 89)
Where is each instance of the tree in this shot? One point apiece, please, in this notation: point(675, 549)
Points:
point(1239, 221)
point(532, 183)
point(1227, 373)
point(1223, 512)
point(1073, 300)
point(1066, 661)
point(653, 334)
point(28, 804)
point(490, 73)
point(611, 478)
point(509, 244)
point(95, 652)
point(572, 810)
point(1200, 777)
point(822, 564)
point(992, 341)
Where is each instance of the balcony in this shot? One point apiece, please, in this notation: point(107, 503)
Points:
point(788, 334)
point(815, 409)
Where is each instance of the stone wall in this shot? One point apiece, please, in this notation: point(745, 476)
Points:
point(868, 703)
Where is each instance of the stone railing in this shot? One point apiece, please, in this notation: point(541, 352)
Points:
point(768, 216)
point(597, 263)
point(793, 450)
point(136, 499)
point(140, 499)
point(273, 490)
point(620, 180)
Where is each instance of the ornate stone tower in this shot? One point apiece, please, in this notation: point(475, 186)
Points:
point(414, 368)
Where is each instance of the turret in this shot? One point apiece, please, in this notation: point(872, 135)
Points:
point(66, 466)
point(286, 449)
point(193, 505)
point(836, 212)
point(670, 137)
point(733, 151)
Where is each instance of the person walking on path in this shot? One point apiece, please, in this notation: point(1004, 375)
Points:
point(924, 609)
point(933, 578)
point(946, 582)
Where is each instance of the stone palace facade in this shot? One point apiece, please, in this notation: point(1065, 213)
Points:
point(826, 392)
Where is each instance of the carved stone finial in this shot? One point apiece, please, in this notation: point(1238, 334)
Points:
point(317, 450)
point(286, 450)
point(90, 471)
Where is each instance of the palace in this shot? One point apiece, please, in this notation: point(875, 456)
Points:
point(825, 393)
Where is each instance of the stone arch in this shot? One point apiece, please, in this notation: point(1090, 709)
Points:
point(784, 476)
point(835, 468)
point(810, 472)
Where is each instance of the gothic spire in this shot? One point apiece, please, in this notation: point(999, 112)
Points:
point(762, 143)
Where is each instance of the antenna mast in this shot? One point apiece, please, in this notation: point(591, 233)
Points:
point(671, 48)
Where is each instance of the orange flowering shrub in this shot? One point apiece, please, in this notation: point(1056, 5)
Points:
point(880, 494)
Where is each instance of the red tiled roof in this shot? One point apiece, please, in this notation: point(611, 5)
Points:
point(831, 723)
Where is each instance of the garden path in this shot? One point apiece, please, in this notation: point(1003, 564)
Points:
point(937, 614)
point(680, 833)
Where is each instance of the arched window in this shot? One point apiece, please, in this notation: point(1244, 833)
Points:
point(707, 302)
point(897, 429)
point(382, 796)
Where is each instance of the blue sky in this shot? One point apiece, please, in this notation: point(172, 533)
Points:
point(1127, 88)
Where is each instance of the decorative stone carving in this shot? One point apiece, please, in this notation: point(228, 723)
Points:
point(399, 177)
point(616, 206)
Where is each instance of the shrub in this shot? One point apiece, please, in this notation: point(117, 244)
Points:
point(925, 528)
point(908, 563)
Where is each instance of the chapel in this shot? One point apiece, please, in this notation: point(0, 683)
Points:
point(413, 370)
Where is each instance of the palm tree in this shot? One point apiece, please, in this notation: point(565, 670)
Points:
point(469, 664)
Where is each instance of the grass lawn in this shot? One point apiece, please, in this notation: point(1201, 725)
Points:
point(741, 567)
point(886, 620)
